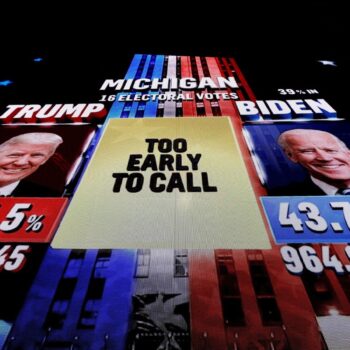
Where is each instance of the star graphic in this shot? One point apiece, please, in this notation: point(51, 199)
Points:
point(5, 82)
point(327, 63)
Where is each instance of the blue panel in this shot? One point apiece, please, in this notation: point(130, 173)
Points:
point(313, 219)
point(151, 106)
point(117, 107)
point(135, 105)
point(131, 73)
point(37, 304)
point(145, 69)
point(114, 309)
point(158, 67)
point(133, 109)
point(152, 68)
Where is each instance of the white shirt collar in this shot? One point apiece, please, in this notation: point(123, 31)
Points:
point(326, 188)
point(8, 189)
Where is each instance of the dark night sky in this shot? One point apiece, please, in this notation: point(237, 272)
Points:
point(276, 45)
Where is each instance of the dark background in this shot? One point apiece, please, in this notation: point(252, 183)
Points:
point(276, 44)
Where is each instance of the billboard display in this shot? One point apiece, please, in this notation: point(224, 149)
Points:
point(177, 212)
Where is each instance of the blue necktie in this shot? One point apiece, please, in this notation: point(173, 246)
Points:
point(344, 191)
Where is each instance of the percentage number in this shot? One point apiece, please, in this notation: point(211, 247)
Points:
point(35, 223)
point(16, 217)
point(13, 258)
point(297, 92)
point(316, 223)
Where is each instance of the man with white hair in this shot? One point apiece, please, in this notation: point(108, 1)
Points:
point(21, 156)
point(323, 155)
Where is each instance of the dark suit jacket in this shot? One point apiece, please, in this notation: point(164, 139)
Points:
point(306, 188)
point(31, 189)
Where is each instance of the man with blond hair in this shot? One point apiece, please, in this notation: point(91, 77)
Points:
point(21, 156)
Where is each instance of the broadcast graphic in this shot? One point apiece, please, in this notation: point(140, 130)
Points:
point(178, 211)
point(183, 176)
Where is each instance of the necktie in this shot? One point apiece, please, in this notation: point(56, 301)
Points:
point(344, 191)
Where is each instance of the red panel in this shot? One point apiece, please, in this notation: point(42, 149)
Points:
point(293, 301)
point(227, 107)
point(30, 219)
point(295, 306)
point(207, 107)
point(207, 323)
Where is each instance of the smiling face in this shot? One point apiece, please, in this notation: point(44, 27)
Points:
point(19, 160)
point(322, 154)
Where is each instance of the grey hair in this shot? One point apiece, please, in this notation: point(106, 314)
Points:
point(35, 138)
point(283, 138)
